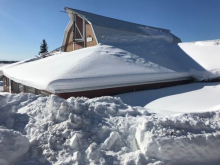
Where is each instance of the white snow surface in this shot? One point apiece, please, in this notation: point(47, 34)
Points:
point(102, 131)
point(96, 67)
point(206, 54)
point(195, 97)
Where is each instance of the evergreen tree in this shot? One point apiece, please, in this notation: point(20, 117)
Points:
point(43, 47)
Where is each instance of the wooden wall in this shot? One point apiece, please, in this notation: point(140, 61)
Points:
point(69, 38)
point(99, 92)
point(5, 84)
point(89, 32)
point(120, 90)
point(79, 45)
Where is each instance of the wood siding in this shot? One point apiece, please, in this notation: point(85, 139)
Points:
point(5, 84)
point(120, 90)
point(79, 45)
point(79, 23)
point(69, 38)
point(99, 92)
point(89, 32)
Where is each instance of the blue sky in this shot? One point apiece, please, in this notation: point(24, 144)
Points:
point(24, 23)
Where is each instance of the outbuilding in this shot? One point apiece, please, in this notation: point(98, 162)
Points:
point(102, 56)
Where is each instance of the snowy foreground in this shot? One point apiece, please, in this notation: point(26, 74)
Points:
point(51, 130)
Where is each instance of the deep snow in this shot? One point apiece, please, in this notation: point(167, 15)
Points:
point(51, 130)
point(134, 59)
point(196, 97)
point(206, 54)
point(96, 67)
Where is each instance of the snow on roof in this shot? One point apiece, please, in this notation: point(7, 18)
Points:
point(205, 53)
point(117, 24)
point(112, 23)
point(101, 66)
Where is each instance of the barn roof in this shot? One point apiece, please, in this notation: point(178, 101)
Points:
point(112, 22)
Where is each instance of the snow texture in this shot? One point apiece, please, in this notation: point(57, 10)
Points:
point(195, 97)
point(93, 68)
point(206, 54)
point(133, 59)
point(103, 131)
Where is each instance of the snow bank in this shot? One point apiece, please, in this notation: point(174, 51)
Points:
point(195, 97)
point(206, 54)
point(106, 131)
point(13, 146)
point(186, 139)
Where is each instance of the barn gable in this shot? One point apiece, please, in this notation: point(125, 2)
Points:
point(87, 29)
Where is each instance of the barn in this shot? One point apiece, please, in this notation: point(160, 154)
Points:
point(103, 56)
point(87, 29)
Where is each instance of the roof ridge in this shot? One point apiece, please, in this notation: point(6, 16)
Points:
point(167, 30)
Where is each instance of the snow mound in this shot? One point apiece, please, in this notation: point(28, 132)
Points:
point(206, 54)
point(79, 128)
point(13, 145)
point(104, 130)
point(187, 139)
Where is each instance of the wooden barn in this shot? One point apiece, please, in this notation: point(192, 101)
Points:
point(87, 29)
point(123, 42)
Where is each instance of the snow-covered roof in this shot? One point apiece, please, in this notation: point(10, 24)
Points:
point(98, 67)
point(153, 60)
point(206, 54)
point(113, 23)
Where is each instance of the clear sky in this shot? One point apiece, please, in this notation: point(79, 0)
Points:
point(24, 23)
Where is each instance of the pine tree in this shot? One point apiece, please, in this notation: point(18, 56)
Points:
point(43, 47)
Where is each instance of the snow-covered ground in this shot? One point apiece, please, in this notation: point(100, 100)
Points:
point(206, 54)
point(176, 125)
point(196, 97)
point(53, 131)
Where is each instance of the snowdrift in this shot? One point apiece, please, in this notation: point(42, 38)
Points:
point(207, 55)
point(103, 131)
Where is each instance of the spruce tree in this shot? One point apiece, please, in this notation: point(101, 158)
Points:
point(43, 47)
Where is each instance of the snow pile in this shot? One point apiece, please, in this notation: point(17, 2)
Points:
point(206, 54)
point(185, 139)
point(13, 145)
point(102, 131)
point(80, 130)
